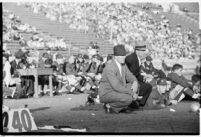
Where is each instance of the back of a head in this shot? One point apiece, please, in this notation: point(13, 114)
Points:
point(99, 57)
point(148, 58)
point(109, 57)
point(176, 67)
point(85, 56)
point(129, 49)
point(71, 60)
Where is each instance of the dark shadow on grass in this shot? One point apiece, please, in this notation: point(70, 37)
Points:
point(96, 107)
point(39, 109)
point(99, 107)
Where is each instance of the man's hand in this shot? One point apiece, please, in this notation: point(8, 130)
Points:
point(79, 73)
point(135, 96)
point(91, 74)
point(134, 87)
point(98, 77)
point(148, 78)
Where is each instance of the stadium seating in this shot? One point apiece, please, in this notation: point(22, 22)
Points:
point(191, 7)
point(56, 28)
point(81, 39)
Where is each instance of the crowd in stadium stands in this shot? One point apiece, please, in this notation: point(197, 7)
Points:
point(122, 23)
point(13, 30)
point(11, 27)
point(44, 42)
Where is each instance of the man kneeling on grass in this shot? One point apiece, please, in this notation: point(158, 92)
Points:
point(114, 90)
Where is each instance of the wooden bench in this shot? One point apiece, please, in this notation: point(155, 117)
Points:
point(37, 72)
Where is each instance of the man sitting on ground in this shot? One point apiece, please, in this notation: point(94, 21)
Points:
point(180, 85)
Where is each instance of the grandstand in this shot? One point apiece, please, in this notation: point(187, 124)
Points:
point(189, 20)
point(80, 39)
point(76, 38)
point(191, 6)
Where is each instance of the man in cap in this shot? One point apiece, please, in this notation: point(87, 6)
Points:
point(86, 65)
point(163, 88)
point(113, 90)
point(20, 53)
point(96, 64)
point(69, 67)
point(148, 70)
point(148, 66)
point(133, 63)
point(42, 59)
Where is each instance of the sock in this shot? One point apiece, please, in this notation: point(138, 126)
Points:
point(195, 96)
point(181, 97)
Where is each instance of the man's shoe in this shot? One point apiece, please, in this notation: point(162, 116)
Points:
point(106, 108)
point(136, 109)
point(134, 105)
point(29, 95)
point(41, 94)
point(196, 96)
point(173, 102)
point(127, 110)
point(109, 110)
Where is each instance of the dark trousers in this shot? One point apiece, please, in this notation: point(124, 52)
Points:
point(195, 78)
point(117, 101)
point(145, 90)
point(186, 91)
point(43, 80)
point(28, 82)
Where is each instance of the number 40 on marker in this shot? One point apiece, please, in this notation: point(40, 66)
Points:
point(18, 120)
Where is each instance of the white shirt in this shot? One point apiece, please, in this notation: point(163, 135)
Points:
point(139, 60)
point(119, 66)
point(7, 68)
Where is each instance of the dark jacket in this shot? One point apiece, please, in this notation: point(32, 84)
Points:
point(85, 67)
point(92, 68)
point(148, 68)
point(13, 67)
point(133, 65)
point(70, 69)
point(176, 79)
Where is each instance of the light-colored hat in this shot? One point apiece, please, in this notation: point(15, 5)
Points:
point(71, 60)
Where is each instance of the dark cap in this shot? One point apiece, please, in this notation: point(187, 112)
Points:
point(79, 55)
point(48, 61)
point(99, 57)
point(85, 56)
point(119, 50)
point(19, 54)
point(45, 55)
point(59, 56)
point(148, 58)
point(162, 82)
